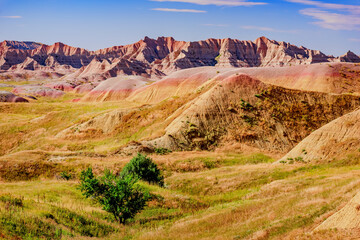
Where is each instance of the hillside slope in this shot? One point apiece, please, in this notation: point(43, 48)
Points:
point(234, 108)
point(345, 219)
point(255, 113)
point(335, 139)
point(335, 78)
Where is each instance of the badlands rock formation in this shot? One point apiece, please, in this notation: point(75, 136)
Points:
point(265, 93)
point(336, 139)
point(327, 78)
point(155, 58)
point(348, 218)
point(176, 84)
point(38, 91)
point(349, 57)
point(19, 45)
point(63, 86)
point(252, 112)
point(75, 68)
point(102, 124)
point(99, 70)
point(117, 88)
point(6, 96)
point(230, 105)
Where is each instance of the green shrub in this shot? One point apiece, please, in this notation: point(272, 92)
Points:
point(144, 168)
point(120, 196)
point(217, 58)
point(162, 151)
point(246, 106)
point(249, 120)
point(209, 164)
point(66, 175)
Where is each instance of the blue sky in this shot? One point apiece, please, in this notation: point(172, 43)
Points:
point(330, 26)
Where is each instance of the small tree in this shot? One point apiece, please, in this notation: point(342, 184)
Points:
point(144, 168)
point(122, 197)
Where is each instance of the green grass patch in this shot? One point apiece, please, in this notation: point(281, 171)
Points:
point(26, 226)
point(240, 159)
point(78, 223)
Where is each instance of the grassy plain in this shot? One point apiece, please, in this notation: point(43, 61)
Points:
point(223, 194)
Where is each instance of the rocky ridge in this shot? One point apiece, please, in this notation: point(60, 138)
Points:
point(158, 57)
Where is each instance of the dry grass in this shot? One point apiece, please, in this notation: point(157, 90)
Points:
point(288, 205)
point(33, 125)
point(231, 193)
point(243, 196)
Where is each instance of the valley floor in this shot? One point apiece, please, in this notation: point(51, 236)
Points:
point(229, 193)
point(208, 195)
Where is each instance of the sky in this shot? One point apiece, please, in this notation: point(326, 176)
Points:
point(330, 26)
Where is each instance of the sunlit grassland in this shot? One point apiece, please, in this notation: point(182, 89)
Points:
point(29, 126)
point(34, 125)
point(20, 82)
point(233, 198)
point(220, 194)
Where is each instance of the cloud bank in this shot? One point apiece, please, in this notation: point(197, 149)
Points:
point(332, 16)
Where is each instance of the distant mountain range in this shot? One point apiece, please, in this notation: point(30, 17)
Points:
point(158, 57)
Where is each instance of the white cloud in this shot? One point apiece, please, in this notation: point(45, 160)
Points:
point(178, 10)
point(267, 29)
point(231, 3)
point(331, 15)
point(334, 6)
point(13, 17)
point(334, 21)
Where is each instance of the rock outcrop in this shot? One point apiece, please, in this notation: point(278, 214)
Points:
point(159, 57)
point(20, 45)
point(99, 70)
point(114, 89)
point(38, 91)
point(61, 85)
point(349, 57)
point(347, 218)
point(252, 112)
point(103, 124)
point(327, 78)
point(336, 139)
point(6, 96)
point(229, 106)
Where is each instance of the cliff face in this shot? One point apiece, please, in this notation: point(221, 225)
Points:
point(163, 55)
point(18, 53)
point(349, 57)
point(19, 45)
